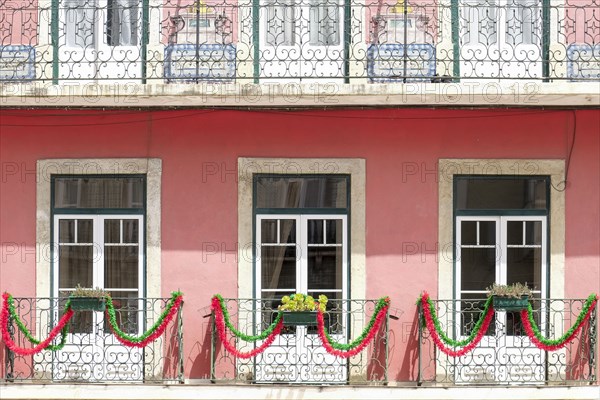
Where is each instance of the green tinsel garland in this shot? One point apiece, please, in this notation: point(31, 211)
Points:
point(110, 309)
point(29, 336)
point(560, 340)
point(241, 335)
point(349, 346)
point(464, 342)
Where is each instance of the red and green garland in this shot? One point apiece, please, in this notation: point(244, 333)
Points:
point(151, 334)
point(346, 350)
point(441, 340)
point(222, 322)
point(9, 313)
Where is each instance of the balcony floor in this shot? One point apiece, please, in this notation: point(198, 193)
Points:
point(10, 391)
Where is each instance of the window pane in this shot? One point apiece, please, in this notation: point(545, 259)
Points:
point(75, 266)
point(524, 265)
point(487, 233)
point(468, 233)
point(334, 231)
point(315, 231)
point(533, 233)
point(471, 308)
point(301, 192)
point(278, 267)
point(112, 231)
point(130, 231)
point(287, 228)
point(85, 231)
point(121, 266)
point(324, 268)
point(66, 231)
point(96, 192)
point(268, 231)
point(489, 193)
point(126, 311)
point(478, 268)
point(514, 232)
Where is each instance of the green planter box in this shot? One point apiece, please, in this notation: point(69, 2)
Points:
point(511, 303)
point(88, 304)
point(294, 318)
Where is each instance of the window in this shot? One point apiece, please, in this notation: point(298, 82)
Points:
point(501, 233)
point(98, 228)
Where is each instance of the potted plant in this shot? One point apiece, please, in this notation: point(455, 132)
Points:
point(88, 299)
point(300, 309)
point(513, 297)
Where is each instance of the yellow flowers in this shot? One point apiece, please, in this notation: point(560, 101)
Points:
point(301, 302)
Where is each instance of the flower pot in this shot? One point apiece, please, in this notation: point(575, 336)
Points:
point(294, 318)
point(511, 303)
point(88, 304)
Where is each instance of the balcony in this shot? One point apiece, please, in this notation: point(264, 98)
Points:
point(297, 354)
point(298, 41)
point(92, 354)
point(506, 355)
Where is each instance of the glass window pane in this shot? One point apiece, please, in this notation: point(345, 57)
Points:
point(130, 231)
point(66, 231)
point(121, 266)
point(85, 231)
point(301, 192)
point(127, 308)
point(478, 268)
point(471, 307)
point(514, 233)
point(268, 231)
point(324, 268)
point(112, 231)
point(315, 231)
point(468, 233)
point(493, 193)
point(287, 231)
point(333, 231)
point(75, 266)
point(487, 233)
point(533, 233)
point(98, 192)
point(278, 267)
point(524, 265)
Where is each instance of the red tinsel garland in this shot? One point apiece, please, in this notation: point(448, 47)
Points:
point(154, 335)
point(542, 346)
point(220, 322)
point(437, 340)
point(357, 349)
point(26, 352)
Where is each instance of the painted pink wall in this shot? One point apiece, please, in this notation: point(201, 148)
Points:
point(199, 149)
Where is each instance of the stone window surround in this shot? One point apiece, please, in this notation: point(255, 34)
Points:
point(355, 167)
point(447, 168)
point(151, 167)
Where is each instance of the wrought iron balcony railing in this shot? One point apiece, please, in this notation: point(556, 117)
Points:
point(506, 355)
point(243, 41)
point(297, 355)
point(92, 353)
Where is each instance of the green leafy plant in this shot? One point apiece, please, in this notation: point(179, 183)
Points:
point(301, 302)
point(88, 292)
point(516, 290)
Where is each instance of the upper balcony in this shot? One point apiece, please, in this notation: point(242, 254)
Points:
point(325, 44)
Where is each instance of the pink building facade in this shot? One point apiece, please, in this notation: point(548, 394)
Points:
point(397, 201)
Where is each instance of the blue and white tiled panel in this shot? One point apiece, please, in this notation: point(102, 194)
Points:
point(583, 61)
point(385, 62)
point(17, 63)
point(216, 63)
